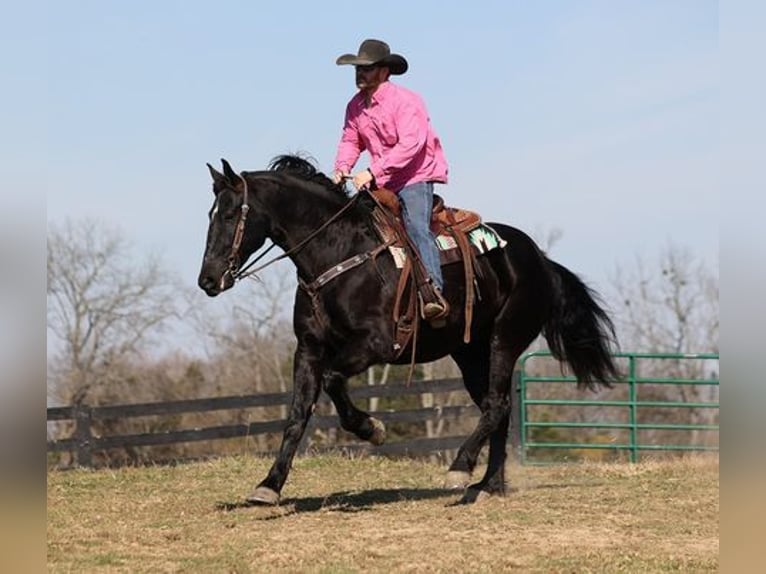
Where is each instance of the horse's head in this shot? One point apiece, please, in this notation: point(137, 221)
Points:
point(235, 230)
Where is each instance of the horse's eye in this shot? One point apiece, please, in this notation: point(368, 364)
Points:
point(223, 214)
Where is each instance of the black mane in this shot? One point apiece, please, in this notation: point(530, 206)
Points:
point(303, 168)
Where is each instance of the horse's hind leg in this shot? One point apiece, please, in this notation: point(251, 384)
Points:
point(473, 361)
point(494, 400)
point(515, 328)
point(352, 419)
point(494, 478)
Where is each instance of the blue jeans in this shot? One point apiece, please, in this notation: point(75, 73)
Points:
point(417, 202)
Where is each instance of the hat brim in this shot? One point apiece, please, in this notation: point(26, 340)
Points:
point(394, 62)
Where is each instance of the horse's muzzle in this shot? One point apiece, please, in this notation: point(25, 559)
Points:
point(209, 285)
point(213, 285)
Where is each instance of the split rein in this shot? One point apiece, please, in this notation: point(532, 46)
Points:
point(239, 234)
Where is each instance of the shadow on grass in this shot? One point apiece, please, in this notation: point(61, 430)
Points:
point(364, 501)
point(345, 501)
point(565, 485)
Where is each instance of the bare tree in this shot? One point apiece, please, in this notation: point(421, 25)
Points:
point(250, 342)
point(672, 307)
point(250, 330)
point(103, 306)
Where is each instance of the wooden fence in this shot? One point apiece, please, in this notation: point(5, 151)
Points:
point(84, 443)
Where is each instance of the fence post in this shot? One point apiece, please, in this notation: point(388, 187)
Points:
point(83, 418)
point(515, 430)
point(633, 412)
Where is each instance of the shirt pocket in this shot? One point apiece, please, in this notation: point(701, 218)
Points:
point(385, 128)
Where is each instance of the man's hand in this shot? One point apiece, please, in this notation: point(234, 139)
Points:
point(338, 176)
point(362, 179)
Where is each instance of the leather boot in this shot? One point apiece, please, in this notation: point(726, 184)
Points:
point(434, 307)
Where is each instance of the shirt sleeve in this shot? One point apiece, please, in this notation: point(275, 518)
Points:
point(411, 120)
point(350, 146)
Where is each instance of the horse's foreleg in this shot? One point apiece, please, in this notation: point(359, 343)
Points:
point(473, 361)
point(307, 374)
point(352, 419)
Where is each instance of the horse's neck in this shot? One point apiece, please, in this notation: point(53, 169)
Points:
point(332, 242)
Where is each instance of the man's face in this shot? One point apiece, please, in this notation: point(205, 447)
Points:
point(370, 77)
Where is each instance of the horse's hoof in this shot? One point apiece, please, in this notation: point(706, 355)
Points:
point(457, 479)
point(378, 436)
point(475, 495)
point(264, 495)
point(482, 495)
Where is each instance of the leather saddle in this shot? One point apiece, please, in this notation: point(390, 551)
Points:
point(444, 220)
point(413, 285)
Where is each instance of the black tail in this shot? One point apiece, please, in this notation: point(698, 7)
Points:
point(579, 332)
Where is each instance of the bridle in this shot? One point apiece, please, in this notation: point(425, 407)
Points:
point(239, 234)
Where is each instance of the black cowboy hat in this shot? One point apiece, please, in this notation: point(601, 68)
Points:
point(375, 52)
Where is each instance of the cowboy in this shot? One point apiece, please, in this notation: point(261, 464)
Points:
point(391, 123)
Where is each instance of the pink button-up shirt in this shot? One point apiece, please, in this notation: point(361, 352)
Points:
point(396, 131)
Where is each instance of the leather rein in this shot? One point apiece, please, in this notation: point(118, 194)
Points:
point(239, 234)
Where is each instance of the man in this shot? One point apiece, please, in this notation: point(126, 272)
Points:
point(391, 123)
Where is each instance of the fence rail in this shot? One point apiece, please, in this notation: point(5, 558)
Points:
point(633, 381)
point(84, 443)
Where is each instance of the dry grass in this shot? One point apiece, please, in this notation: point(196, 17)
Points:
point(377, 515)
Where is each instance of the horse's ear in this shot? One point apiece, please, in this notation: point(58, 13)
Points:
point(228, 172)
point(218, 178)
point(234, 179)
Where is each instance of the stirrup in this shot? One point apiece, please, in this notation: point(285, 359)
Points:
point(435, 310)
point(432, 310)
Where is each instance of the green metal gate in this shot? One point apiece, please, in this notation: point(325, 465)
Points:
point(623, 412)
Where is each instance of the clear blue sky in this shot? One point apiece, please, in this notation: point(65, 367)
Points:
point(599, 118)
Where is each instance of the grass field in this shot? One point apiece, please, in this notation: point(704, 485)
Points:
point(341, 515)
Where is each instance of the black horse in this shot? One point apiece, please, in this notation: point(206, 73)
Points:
point(346, 325)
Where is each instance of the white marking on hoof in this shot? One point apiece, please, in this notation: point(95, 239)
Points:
point(457, 479)
point(379, 434)
point(474, 496)
point(482, 495)
point(264, 495)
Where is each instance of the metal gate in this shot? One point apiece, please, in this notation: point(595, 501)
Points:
point(660, 396)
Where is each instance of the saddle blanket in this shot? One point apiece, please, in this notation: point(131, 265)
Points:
point(483, 239)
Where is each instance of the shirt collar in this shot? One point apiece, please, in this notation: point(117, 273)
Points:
point(380, 94)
